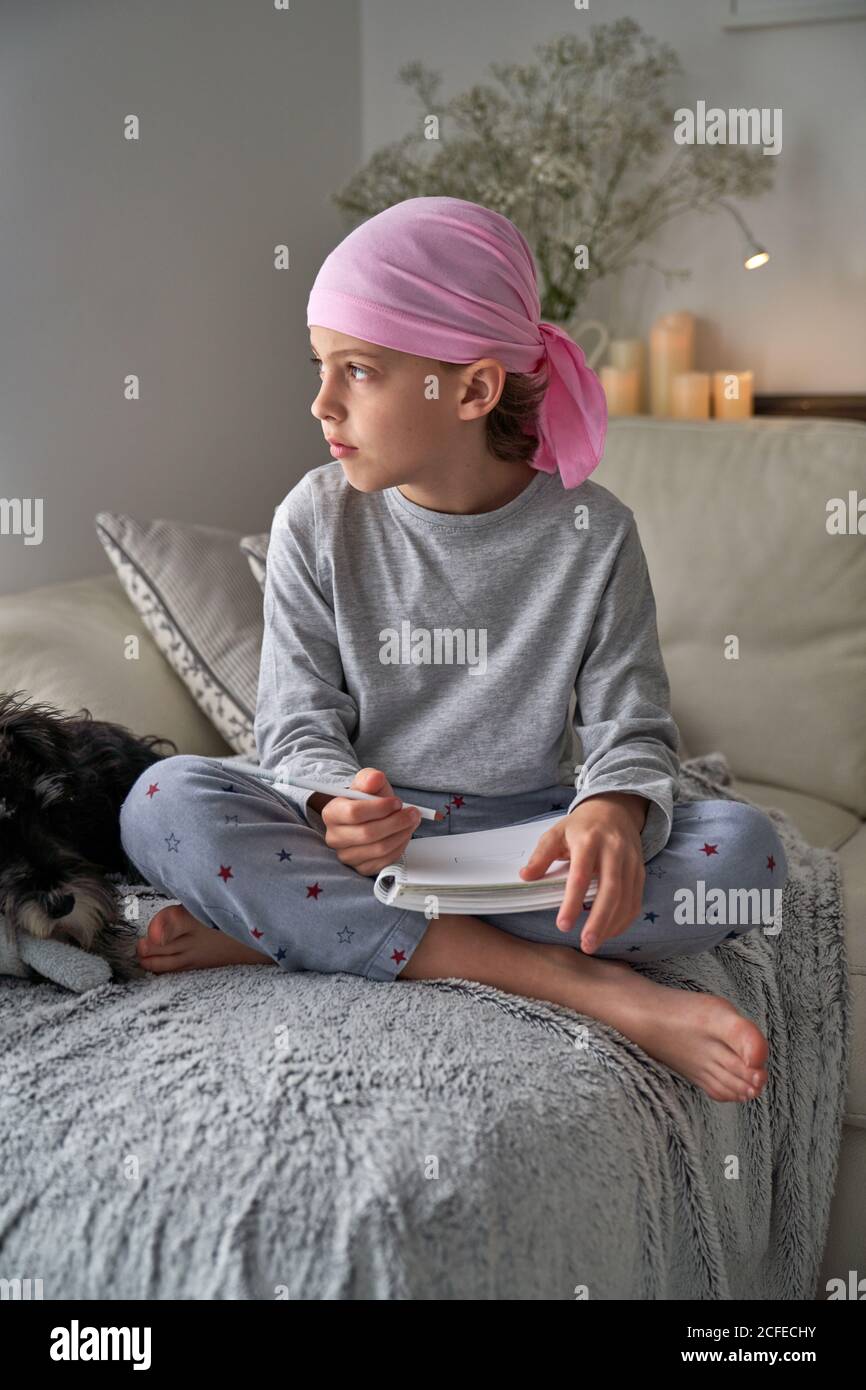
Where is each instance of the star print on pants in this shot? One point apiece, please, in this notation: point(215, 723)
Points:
point(398, 957)
point(225, 873)
point(152, 789)
point(313, 891)
point(709, 849)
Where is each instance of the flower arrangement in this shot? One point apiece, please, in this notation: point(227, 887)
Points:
point(571, 149)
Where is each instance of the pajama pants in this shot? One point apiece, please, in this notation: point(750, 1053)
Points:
point(242, 859)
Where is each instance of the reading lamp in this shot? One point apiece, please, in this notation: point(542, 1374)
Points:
point(757, 255)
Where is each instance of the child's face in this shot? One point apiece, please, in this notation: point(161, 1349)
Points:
point(376, 399)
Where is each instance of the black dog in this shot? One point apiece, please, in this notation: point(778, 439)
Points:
point(63, 779)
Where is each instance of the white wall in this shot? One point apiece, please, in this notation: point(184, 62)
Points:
point(800, 321)
point(156, 258)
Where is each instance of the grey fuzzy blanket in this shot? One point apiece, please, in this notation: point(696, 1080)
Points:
point(242, 1133)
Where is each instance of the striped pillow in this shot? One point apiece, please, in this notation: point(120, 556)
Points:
point(194, 592)
point(256, 550)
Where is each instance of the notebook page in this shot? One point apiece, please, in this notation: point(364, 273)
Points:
point(481, 858)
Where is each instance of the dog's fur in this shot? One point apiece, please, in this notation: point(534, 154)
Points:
point(63, 779)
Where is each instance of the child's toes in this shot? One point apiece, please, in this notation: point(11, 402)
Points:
point(160, 963)
point(162, 936)
point(168, 927)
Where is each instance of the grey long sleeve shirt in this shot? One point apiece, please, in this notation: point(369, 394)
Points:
point(443, 649)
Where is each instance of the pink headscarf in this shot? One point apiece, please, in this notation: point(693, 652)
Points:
point(450, 279)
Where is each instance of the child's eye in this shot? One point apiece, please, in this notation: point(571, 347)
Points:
point(350, 367)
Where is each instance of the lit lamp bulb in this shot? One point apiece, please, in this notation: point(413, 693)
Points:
point(755, 258)
point(756, 255)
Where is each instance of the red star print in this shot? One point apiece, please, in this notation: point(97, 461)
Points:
point(154, 787)
point(709, 849)
point(313, 891)
point(457, 801)
point(225, 873)
point(256, 933)
point(398, 957)
point(771, 863)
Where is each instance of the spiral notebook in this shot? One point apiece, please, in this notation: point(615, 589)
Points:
point(476, 872)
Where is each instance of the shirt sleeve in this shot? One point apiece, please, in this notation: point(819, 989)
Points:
point(304, 715)
point(622, 716)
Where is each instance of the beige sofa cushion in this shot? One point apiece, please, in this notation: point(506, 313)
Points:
point(733, 521)
point(822, 823)
point(66, 644)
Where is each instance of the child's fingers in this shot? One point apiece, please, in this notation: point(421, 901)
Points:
point(611, 909)
point(362, 834)
point(352, 812)
point(551, 846)
point(372, 780)
point(346, 811)
point(371, 858)
point(579, 876)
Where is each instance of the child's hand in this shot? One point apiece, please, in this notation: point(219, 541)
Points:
point(367, 835)
point(601, 837)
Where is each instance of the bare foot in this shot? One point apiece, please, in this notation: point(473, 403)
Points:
point(702, 1037)
point(176, 940)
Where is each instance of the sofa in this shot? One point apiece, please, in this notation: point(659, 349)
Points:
point(734, 521)
point(745, 506)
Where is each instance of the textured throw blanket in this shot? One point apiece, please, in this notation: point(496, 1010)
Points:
point(242, 1133)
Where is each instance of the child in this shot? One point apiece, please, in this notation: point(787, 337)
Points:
point(433, 597)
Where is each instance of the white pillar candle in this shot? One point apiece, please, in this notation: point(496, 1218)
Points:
point(628, 353)
point(672, 350)
point(732, 395)
point(621, 386)
point(690, 392)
